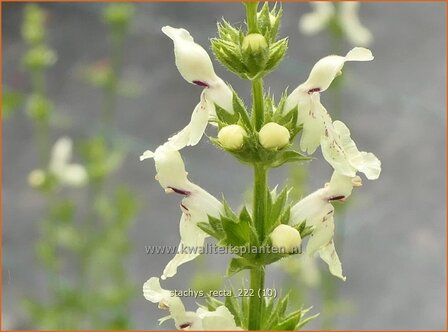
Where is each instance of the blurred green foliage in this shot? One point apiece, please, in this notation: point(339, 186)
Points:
point(83, 244)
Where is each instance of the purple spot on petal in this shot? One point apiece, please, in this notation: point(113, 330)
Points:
point(184, 207)
point(200, 83)
point(310, 91)
point(185, 325)
point(336, 198)
point(180, 191)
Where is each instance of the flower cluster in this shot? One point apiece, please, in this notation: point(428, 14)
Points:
point(267, 144)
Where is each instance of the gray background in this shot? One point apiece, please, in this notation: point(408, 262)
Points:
point(394, 252)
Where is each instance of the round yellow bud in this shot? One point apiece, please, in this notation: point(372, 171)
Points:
point(273, 136)
point(232, 137)
point(36, 178)
point(286, 238)
point(255, 41)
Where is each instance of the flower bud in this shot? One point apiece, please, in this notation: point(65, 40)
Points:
point(36, 178)
point(273, 136)
point(256, 42)
point(232, 137)
point(286, 238)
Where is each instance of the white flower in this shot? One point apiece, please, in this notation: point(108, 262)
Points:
point(347, 18)
point(196, 205)
point(312, 114)
point(317, 20)
point(273, 136)
point(316, 209)
point(195, 66)
point(286, 238)
point(341, 153)
point(67, 173)
point(202, 319)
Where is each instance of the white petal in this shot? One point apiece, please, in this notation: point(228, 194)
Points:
point(170, 168)
point(194, 131)
point(334, 153)
point(308, 207)
point(359, 54)
point(147, 155)
point(219, 93)
point(293, 100)
point(220, 319)
point(61, 154)
point(318, 19)
point(322, 233)
point(353, 29)
point(326, 69)
point(341, 186)
point(330, 256)
point(153, 292)
point(364, 162)
point(192, 240)
point(192, 61)
point(314, 124)
point(73, 175)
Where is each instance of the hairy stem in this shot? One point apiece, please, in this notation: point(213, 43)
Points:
point(260, 185)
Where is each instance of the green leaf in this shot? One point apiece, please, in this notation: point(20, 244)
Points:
point(277, 52)
point(238, 264)
point(302, 323)
point(207, 228)
point(213, 303)
point(216, 224)
point(234, 307)
point(288, 156)
point(238, 233)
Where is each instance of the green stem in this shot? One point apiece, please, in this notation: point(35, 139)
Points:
point(258, 104)
point(251, 16)
point(260, 186)
point(257, 274)
point(110, 95)
point(255, 304)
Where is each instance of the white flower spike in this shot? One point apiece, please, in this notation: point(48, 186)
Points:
point(195, 66)
point(312, 114)
point(316, 209)
point(196, 205)
point(346, 16)
point(202, 319)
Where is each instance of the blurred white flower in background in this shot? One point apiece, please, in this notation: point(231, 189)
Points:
point(344, 14)
point(60, 167)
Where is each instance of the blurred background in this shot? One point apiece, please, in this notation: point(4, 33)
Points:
point(74, 251)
